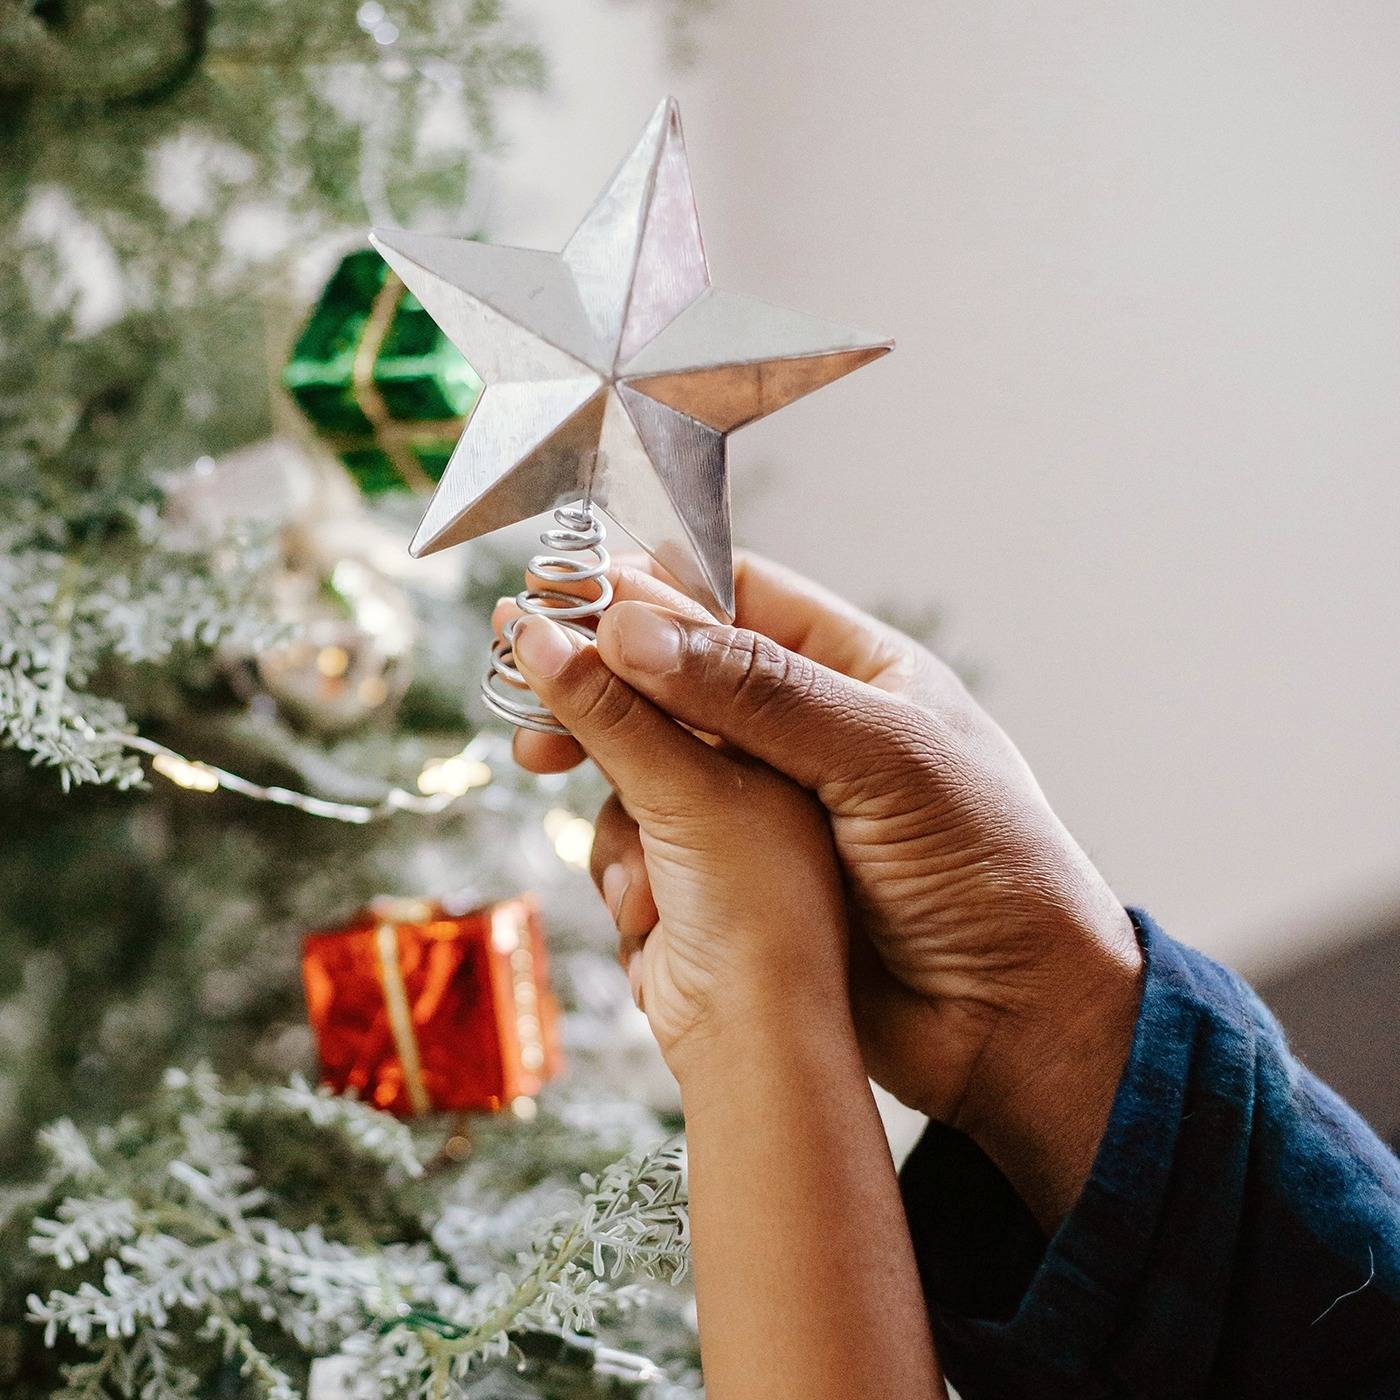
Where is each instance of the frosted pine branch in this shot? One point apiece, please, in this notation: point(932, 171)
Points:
point(237, 1341)
point(375, 1134)
point(83, 1227)
point(633, 1222)
point(77, 735)
point(138, 1369)
point(69, 1151)
point(153, 251)
point(64, 614)
point(177, 1244)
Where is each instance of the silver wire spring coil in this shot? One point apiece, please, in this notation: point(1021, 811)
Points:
point(579, 532)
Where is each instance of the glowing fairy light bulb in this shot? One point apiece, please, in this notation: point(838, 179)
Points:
point(453, 776)
point(572, 837)
point(185, 773)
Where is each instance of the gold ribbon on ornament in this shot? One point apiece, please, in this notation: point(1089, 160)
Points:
point(393, 438)
point(386, 942)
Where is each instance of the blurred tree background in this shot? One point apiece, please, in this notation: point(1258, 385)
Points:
point(200, 611)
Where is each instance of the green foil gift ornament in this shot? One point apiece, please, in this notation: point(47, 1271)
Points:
point(382, 384)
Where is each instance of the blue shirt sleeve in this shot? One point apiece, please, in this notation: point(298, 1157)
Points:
point(1239, 1234)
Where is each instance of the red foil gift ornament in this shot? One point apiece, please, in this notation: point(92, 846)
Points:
point(418, 1010)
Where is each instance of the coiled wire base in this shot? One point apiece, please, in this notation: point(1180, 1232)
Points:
point(579, 532)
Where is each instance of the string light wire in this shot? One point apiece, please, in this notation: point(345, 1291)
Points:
point(442, 782)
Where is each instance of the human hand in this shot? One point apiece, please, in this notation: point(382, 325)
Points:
point(736, 938)
point(997, 986)
point(729, 904)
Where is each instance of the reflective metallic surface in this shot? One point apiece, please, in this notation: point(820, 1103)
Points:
point(417, 1008)
point(574, 554)
point(614, 370)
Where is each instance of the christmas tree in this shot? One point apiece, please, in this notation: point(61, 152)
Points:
point(235, 713)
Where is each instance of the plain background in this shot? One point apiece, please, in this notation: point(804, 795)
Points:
point(1140, 441)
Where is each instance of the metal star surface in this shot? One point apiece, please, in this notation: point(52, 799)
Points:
point(613, 370)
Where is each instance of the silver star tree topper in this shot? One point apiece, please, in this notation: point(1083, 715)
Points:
point(614, 371)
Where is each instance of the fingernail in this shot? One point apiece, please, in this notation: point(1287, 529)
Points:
point(615, 883)
point(649, 640)
point(542, 647)
point(634, 977)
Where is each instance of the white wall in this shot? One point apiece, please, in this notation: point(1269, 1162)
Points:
point(1141, 437)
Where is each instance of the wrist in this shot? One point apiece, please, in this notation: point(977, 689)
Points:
point(1040, 1096)
point(762, 1038)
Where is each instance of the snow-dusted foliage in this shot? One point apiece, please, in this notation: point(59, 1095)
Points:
point(179, 179)
point(178, 1243)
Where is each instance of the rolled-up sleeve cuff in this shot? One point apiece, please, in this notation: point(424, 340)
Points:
point(1031, 1316)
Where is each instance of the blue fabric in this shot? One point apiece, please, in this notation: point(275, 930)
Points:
point(1239, 1235)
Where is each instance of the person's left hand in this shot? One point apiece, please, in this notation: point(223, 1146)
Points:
point(735, 924)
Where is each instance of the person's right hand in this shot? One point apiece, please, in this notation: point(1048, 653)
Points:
point(998, 985)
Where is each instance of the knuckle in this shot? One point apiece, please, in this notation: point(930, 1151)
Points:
point(611, 711)
point(894, 750)
point(600, 705)
point(759, 671)
point(927, 742)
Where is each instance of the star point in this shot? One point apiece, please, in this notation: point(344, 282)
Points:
point(613, 369)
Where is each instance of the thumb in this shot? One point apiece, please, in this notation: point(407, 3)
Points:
point(817, 726)
point(663, 773)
